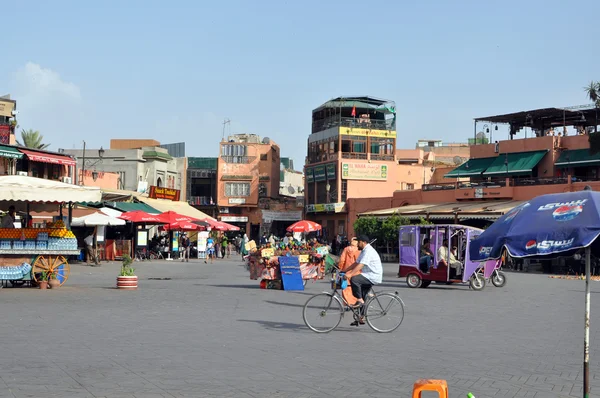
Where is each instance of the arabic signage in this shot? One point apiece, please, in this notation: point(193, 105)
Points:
point(164, 193)
point(364, 171)
point(367, 132)
point(331, 171)
point(237, 201)
point(320, 173)
point(326, 207)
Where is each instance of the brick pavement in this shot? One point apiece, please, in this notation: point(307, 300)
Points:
point(210, 332)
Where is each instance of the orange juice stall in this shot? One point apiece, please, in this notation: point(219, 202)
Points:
point(30, 254)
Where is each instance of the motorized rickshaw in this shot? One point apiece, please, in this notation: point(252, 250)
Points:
point(457, 268)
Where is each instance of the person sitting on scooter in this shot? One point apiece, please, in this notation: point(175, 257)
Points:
point(426, 256)
point(445, 256)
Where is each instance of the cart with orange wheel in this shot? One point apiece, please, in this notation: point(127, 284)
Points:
point(56, 264)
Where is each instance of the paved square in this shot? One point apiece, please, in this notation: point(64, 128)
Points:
point(210, 331)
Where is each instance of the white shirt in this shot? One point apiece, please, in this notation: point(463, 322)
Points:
point(89, 240)
point(372, 269)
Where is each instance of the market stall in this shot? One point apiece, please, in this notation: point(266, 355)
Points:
point(30, 254)
point(263, 263)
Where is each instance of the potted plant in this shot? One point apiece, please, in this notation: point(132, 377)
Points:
point(43, 282)
point(127, 280)
point(53, 282)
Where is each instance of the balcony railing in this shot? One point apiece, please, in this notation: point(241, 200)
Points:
point(336, 121)
point(500, 183)
point(348, 155)
point(382, 157)
point(200, 201)
point(239, 159)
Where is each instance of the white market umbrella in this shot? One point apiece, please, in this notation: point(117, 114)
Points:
point(96, 220)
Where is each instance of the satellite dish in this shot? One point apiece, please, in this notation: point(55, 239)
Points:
point(291, 190)
point(457, 160)
point(266, 140)
point(480, 135)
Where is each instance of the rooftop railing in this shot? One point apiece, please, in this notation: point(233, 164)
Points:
point(353, 122)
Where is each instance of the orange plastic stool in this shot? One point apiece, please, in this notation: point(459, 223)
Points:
point(439, 386)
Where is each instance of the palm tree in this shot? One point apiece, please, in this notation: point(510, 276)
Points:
point(593, 92)
point(32, 139)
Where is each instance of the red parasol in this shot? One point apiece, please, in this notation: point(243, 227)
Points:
point(170, 217)
point(214, 224)
point(229, 227)
point(184, 226)
point(138, 216)
point(304, 226)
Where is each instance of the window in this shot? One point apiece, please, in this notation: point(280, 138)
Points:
point(354, 143)
point(263, 156)
point(410, 187)
point(233, 189)
point(382, 146)
point(262, 190)
point(233, 150)
point(344, 190)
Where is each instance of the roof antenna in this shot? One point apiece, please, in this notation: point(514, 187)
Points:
point(587, 188)
point(225, 122)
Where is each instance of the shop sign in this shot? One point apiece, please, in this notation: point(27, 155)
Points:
point(164, 193)
point(271, 215)
point(320, 173)
point(309, 175)
point(6, 108)
point(237, 201)
point(234, 219)
point(267, 252)
point(325, 207)
point(331, 171)
point(364, 171)
point(367, 132)
point(303, 258)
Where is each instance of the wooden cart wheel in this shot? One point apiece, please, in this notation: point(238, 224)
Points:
point(57, 264)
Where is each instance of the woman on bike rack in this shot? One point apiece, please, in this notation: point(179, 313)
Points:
point(364, 273)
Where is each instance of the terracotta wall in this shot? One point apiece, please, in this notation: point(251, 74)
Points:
point(357, 206)
point(256, 168)
point(132, 143)
point(104, 180)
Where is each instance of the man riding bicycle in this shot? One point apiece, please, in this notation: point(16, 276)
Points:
point(364, 273)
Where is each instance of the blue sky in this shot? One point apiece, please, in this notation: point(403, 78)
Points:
point(172, 71)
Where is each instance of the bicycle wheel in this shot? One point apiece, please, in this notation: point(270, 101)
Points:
point(385, 312)
point(323, 312)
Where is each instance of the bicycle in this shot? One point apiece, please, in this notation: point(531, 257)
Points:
point(156, 255)
point(331, 306)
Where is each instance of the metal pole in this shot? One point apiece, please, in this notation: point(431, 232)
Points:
point(475, 132)
point(586, 339)
point(83, 165)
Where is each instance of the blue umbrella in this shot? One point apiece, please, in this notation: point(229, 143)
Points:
point(545, 227)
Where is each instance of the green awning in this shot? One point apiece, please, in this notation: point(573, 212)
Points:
point(471, 168)
point(309, 175)
point(156, 155)
point(10, 152)
point(519, 163)
point(130, 206)
point(577, 158)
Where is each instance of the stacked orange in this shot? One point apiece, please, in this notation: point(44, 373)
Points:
point(32, 233)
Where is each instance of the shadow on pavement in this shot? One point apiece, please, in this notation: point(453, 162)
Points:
point(252, 286)
point(277, 325)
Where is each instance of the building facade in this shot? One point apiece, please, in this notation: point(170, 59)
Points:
point(139, 167)
point(352, 155)
point(499, 176)
point(248, 183)
point(201, 184)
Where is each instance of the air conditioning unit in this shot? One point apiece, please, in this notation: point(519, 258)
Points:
point(66, 180)
point(22, 173)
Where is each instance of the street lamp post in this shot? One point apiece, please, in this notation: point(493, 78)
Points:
point(90, 163)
